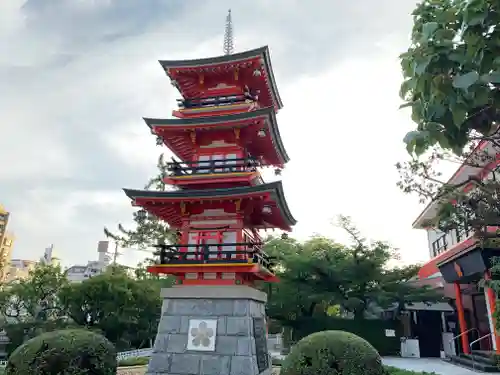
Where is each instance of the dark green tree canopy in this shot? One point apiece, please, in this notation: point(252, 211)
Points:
point(320, 276)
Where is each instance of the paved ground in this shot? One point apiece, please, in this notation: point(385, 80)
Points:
point(427, 364)
point(420, 364)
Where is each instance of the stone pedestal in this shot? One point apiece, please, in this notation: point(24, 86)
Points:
point(211, 330)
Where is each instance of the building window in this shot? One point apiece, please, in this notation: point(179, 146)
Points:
point(440, 245)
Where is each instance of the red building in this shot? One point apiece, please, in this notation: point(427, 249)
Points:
point(224, 130)
point(457, 264)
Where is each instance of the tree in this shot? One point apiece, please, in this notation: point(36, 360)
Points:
point(292, 297)
point(452, 74)
point(32, 306)
point(451, 83)
point(149, 229)
point(125, 310)
point(35, 298)
point(320, 274)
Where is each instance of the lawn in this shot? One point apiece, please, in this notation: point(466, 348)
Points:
point(397, 371)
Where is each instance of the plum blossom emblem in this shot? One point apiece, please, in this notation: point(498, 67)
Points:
point(202, 335)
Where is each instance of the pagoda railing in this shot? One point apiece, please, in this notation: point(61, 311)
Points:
point(213, 254)
point(213, 166)
point(213, 101)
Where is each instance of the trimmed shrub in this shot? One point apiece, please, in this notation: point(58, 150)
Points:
point(65, 352)
point(137, 361)
point(333, 353)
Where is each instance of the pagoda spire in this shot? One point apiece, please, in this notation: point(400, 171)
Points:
point(228, 35)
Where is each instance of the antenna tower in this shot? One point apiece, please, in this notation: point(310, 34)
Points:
point(228, 35)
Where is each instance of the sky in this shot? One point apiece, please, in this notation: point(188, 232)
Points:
point(77, 76)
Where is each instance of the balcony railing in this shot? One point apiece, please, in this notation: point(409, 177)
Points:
point(213, 101)
point(213, 254)
point(450, 239)
point(213, 166)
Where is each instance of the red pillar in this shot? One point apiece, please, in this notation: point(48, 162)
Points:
point(461, 319)
point(492, 303)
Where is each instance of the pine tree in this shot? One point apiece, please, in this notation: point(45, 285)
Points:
point(149, 230)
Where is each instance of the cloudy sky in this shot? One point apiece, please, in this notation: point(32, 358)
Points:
point(76, 76)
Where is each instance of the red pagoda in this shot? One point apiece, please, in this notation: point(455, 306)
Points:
point(224, 130)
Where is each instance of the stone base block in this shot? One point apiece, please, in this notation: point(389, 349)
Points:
point(211, 331)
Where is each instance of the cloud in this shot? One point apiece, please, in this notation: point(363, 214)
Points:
point(77, 76)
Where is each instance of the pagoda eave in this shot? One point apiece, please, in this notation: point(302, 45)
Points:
point(266, 202)
point(258, 60)
point(177, 134)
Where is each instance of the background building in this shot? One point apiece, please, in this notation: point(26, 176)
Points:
point(79, 273)
point(19, 269)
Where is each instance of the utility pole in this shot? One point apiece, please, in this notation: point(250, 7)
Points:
point(228, 35)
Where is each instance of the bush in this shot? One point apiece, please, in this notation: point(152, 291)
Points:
point(75, 352)
point(333, 353)
point(137, 361)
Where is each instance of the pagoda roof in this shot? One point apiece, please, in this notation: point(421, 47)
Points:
point(167, 204)
point(176, 133)
point(258, 58)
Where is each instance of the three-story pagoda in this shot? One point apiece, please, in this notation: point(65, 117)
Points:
point(224, 130)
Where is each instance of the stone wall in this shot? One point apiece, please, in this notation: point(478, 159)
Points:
point(235, 346)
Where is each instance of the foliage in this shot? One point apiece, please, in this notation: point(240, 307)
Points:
point(397, 371)
point(137, 361)
point(125, 310)
point(451, 74)
point(331, 353)
point(75, 352)
point(149, 230)
point(320, 276)
point(36, 298)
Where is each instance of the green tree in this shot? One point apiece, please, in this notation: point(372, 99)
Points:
point(35, 298)
point(32, 306)
point(451, 83)
point(124, 309)
point(149, 230)
point(289, 299)
point(320, 273)
point(452, 74)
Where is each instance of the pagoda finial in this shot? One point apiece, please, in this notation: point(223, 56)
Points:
point(228, 35)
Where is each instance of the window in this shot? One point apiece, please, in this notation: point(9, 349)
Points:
point(217, 162)
point(440, 245)
point(214, 241)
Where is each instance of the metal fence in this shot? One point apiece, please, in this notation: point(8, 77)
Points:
point(135, 353)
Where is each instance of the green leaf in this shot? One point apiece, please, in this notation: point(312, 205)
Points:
point(421, 66)
point(404, 105)
point(428, 29)
point(406, 86)
point(443, 141)
point(466, 80)
point(459, 114)
point(493, 77)
point(412, 136)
